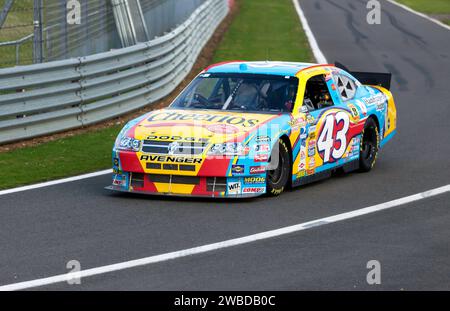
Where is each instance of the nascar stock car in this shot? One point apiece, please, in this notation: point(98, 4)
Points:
point(243, 129)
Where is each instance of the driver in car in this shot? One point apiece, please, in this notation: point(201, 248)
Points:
point(246, 97)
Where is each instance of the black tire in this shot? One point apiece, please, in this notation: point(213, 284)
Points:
point(370, 142)
point(278, 177)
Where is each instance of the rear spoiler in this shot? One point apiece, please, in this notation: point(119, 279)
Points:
point(369, 78)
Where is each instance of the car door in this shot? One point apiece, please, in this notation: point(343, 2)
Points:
point(327, 141)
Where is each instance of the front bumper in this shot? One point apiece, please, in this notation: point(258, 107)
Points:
point(241, 196)
point(189, 186)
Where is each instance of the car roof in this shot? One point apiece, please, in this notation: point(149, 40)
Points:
point(259, 67)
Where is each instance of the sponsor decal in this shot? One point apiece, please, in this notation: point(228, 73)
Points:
point(253, 190)
point(234, 187)
point(361, 106)
point(302, 154)
point(119, 180)
point(222, 129)
point(311, 171)
point(311, 147)
point(311, 163)
point(214, 118)
point(262, 148)
point(116, 161)
point(303, 109)
point(312, 131)
point(303, 133)
point(116, 170)
point(374, 100)
point(257, 169)
point(262, 139)
point(261, 157)
point(310, 119)
point(177, 138)
point(354, 111)
point(254, 180)
point(237, 169)
point(300, 121)
point(170, 159)
point(301, 165)
point(301, 173)
point(381, 106)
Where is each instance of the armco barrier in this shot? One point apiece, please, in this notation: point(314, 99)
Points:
point(51, 97)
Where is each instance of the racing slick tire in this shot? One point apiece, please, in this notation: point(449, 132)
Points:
point(278, 171)
point(370, 142)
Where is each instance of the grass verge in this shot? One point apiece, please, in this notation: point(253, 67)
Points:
point(69, 156)
point(438, 9)
point(263, 29)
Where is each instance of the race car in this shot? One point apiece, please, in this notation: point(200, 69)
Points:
point(244, 129)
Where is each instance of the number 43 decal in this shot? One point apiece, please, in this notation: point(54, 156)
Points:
point(332, 141)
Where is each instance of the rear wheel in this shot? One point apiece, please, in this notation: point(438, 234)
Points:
point(279, 169)
point(369, 146)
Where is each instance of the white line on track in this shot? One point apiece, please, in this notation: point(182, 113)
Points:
point(224, 244)
point(55, 182)
point(318, 55)
point(419, 14)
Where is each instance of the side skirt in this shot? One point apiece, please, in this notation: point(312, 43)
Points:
point(347, 168)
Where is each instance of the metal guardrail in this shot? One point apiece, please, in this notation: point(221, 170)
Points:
point(51, 97)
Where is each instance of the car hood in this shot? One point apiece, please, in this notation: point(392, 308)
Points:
point(214, 126)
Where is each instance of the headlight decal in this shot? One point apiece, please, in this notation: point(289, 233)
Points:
point(229, 149)
point(129, 144)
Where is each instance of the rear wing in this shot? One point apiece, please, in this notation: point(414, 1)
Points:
point(369, 78)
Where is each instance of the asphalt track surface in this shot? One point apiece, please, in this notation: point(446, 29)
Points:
point(43, 229)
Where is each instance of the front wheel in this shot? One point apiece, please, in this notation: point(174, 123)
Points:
point(279, 169)
point(369, 146)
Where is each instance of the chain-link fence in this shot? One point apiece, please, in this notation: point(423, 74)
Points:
point(34, 31)
point(77, 28)
point(16, 32)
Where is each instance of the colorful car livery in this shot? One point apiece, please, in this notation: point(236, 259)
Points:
point(243, 129)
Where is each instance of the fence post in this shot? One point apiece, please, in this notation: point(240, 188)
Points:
point(5, 10)
point(64, 38)
point(38, 40)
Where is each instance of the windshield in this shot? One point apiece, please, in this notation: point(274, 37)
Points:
point(239, 92)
